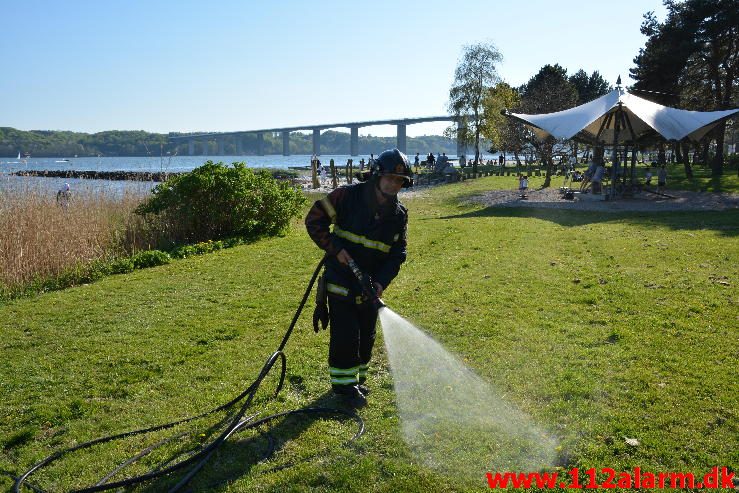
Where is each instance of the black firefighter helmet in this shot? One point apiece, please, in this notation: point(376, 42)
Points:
point(393, 163)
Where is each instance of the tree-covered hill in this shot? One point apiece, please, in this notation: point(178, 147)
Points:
point(53, 143)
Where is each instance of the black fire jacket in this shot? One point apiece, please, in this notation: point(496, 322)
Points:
point(373, 235)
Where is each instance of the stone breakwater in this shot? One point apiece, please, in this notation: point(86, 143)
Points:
point(155, 176)
point(100, 175)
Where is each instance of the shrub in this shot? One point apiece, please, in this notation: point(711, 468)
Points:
point(184, 251)
point(203, 247)
point(150, 258)
point(232, 242)
point(121, 266)
point(216, 201)
point(100, 268)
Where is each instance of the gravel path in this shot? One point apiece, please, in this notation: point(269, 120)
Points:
point(405, 193)
point(551, 198)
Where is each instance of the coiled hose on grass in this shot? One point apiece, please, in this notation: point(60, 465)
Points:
point(195, 462)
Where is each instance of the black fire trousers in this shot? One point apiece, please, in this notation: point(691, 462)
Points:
point(352, 336)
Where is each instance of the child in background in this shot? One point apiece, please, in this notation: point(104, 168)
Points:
point(662, 178)
point(523, 185)
point(648, 180)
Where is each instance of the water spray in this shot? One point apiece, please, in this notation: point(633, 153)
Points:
point(454, 421)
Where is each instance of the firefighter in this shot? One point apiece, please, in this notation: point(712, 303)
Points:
point(369, 227)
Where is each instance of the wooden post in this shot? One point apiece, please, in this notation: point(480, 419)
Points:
point(314, 172)
point(349, 171)
point(334, 180)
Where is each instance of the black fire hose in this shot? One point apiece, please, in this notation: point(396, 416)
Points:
point(199, 459)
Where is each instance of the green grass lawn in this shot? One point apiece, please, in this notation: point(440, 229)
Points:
point(598, 326)
point(702, 180)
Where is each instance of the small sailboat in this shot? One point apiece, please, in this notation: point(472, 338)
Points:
point(16, 162)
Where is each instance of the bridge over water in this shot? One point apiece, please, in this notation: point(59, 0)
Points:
point(203, 140)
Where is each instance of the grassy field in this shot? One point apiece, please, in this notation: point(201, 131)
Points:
point(600, 327)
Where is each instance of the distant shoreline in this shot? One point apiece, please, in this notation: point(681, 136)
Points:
point(155, 176)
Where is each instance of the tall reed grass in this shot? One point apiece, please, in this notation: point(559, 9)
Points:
point(41, 239)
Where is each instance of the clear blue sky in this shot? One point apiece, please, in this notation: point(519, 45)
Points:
point(238, 65)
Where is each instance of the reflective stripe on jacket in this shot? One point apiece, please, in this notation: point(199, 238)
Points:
point(373, 235)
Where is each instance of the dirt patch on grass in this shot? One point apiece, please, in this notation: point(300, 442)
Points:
point(553, 198)
point(326, 187)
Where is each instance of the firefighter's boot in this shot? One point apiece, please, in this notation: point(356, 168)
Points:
point(351, 395)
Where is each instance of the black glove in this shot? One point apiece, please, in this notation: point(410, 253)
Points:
point(320, 313)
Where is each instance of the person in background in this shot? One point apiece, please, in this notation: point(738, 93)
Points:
point(523, 185)
point(662, 178)
point(63, 196)
point(321, 171)
point(441, 162)
point(597, 179)
point(588, 176)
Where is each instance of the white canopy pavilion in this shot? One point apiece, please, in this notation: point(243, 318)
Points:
point(620, 117)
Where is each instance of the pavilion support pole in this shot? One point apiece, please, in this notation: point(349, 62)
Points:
point(616, 128)
point(625, 164)
point(627, 124)
point(633, 164)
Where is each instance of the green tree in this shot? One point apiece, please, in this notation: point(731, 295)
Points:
point(589, 87)
point(476, 73)
point(692, 58)
point(548, 91)
point(505, 134)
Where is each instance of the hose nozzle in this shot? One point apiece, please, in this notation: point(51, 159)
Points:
point(368, 289)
